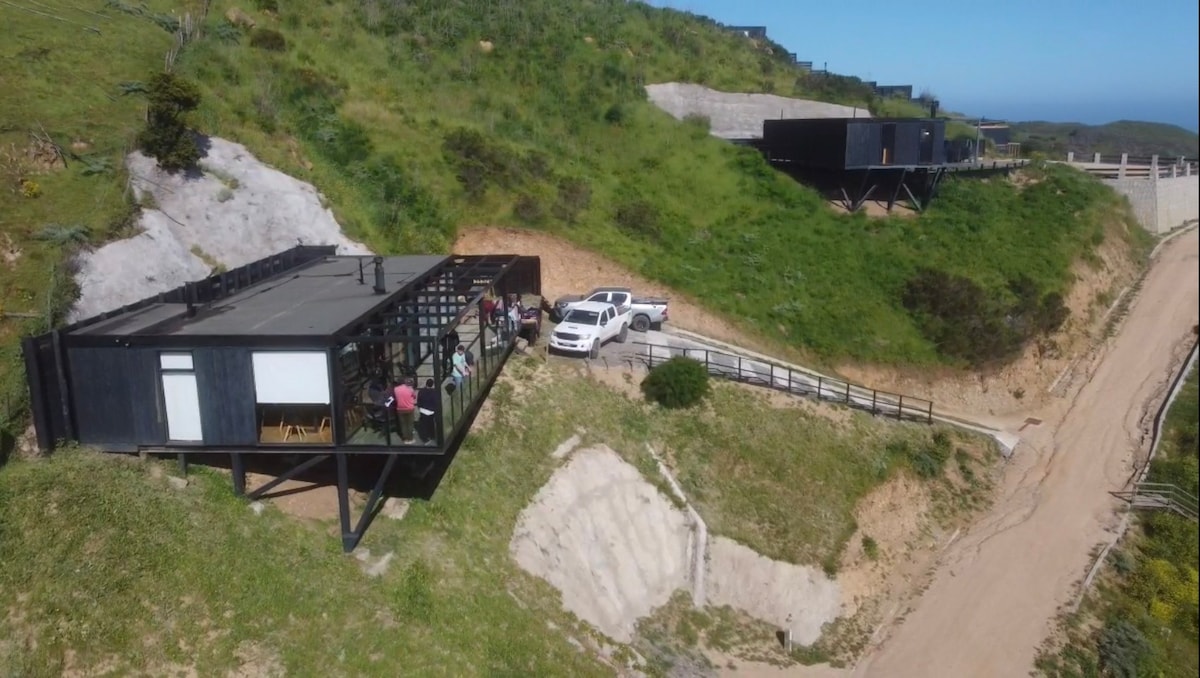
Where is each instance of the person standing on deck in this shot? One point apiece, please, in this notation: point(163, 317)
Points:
point(460, 370)
point(429, 404)
point(406, 406)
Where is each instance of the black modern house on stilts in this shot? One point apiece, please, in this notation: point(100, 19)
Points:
point(860, 159)
point(294, 355)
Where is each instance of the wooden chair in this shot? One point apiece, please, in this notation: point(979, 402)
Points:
point(287, 428)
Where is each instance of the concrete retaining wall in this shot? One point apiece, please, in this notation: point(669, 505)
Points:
point(734, 115)
point(1178, 202)
point(1161, 205)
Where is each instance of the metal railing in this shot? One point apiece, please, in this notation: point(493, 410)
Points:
point(795, 382)
point(1162, 497)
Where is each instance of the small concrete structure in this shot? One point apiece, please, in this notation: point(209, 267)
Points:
point(734, 115)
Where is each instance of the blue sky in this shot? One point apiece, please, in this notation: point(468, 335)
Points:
point(1061, 60)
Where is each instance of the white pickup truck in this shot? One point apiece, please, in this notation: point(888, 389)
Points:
point(644, 313)
point(588, 326)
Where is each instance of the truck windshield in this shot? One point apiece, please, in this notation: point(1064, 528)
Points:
point(580, 317)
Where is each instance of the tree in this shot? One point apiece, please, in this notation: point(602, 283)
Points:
point(166, 136)
point(676, 384)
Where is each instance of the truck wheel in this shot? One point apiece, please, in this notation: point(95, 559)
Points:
point(595, 352)
point(623, 335)
point(641, 323)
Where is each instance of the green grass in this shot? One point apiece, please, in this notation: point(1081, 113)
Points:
point(103, 559)
point(1146, 596)
point(412, 131)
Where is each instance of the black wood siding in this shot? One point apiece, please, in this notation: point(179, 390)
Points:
point(225, 382)
point(849, 143)
point(115, 396)
point(807, 143)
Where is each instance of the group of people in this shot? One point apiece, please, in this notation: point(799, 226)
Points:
point(417, 410)
point(503, 314)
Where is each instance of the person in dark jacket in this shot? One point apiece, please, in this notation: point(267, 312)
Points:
point(429, 405)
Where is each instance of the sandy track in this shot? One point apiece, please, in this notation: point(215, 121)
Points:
point(998, 589)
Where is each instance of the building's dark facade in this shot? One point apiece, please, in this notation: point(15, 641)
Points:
point(296, 353)
point(277, 361)
point(855, 143)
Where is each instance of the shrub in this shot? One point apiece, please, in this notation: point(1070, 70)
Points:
point(870, 547)
point(926, 459)
point(615, 115)
point(166, 136)
point(967, 322)
point(638, 217)
point(678, 383)
point(267, 5)
point(574, 196)
point(479, 161)
point(268, 39)
point(528, 209)
point(697, 120)
point(1123, 648)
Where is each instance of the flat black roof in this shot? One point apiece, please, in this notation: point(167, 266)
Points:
point(318, 298)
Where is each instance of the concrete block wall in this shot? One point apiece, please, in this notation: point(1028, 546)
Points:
point(1178, 201)
point(1161, 205)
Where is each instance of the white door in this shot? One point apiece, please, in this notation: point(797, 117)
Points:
point(183, 407)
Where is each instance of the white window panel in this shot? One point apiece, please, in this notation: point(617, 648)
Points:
point(291, 377)
point(175, 361)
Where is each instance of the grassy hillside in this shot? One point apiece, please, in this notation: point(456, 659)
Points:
point(418, 118)
point(106, 565)
point(1146, 605)
point(1138, 139)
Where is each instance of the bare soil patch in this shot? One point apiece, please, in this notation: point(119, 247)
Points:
point(570, 269)
point(297, 498)
point(877, 209)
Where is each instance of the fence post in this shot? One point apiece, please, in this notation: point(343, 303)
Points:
point(771, 375)
point(874, 399)
point(900, 408)
point(929, 414)
point(847, 393)
point(739, 368)
point(819, 383)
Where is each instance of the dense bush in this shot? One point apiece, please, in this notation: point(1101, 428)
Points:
point(166, 136)
point(928, 458)
point(638, 217)
point(968, 322)
point(678, 383)
point(574, 196)
point(1123, 649)
point(479, 162)
point(268, 39)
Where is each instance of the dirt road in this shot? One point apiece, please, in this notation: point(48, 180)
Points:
point(999, 587)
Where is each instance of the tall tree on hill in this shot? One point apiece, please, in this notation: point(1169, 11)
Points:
point(166, 136)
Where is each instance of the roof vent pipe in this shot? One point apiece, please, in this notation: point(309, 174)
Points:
point(380, 288)
point(189, 295)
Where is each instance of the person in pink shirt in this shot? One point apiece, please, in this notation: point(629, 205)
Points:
point(406, 407)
